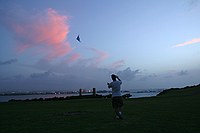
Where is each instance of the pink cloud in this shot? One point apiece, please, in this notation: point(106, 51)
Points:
point(117, 64)
point(59, 51)
point(74, 57)
point(46, 30)
point(101, 56)
point(195, 40)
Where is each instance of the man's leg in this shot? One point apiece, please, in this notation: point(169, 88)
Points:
point(118, 112)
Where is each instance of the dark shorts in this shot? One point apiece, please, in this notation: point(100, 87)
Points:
point(117, 102)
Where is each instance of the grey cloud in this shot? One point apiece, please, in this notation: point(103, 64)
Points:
point(192, 4)
point(183, 73)
point(15, 77)
point(144, 78)
point(41, 75)
point(128, 74)
point(8, 62)
point(168, 76)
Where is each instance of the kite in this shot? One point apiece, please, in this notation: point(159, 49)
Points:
point(78, 38)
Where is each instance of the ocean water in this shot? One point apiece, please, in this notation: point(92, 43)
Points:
point(24, 97)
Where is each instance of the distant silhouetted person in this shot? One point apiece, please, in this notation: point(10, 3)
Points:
point(117, 100)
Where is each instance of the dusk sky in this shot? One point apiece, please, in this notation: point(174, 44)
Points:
point(147, 43)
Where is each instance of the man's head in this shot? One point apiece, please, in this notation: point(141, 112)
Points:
point(113, 76)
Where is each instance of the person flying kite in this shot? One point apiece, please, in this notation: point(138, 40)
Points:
point(78, 38)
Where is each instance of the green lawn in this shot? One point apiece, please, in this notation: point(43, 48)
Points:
point(163, 114)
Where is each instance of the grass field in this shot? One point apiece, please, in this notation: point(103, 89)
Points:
point(176, 111)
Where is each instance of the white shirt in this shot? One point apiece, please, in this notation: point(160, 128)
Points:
point(116, 89)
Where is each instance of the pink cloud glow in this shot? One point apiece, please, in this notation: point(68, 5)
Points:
point(195, 40)
point(74, 57)
point(45, 33)
point(101, 56)
point(117, 64)
point(47, 30)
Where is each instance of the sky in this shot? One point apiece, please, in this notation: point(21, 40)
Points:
point(148, 44)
